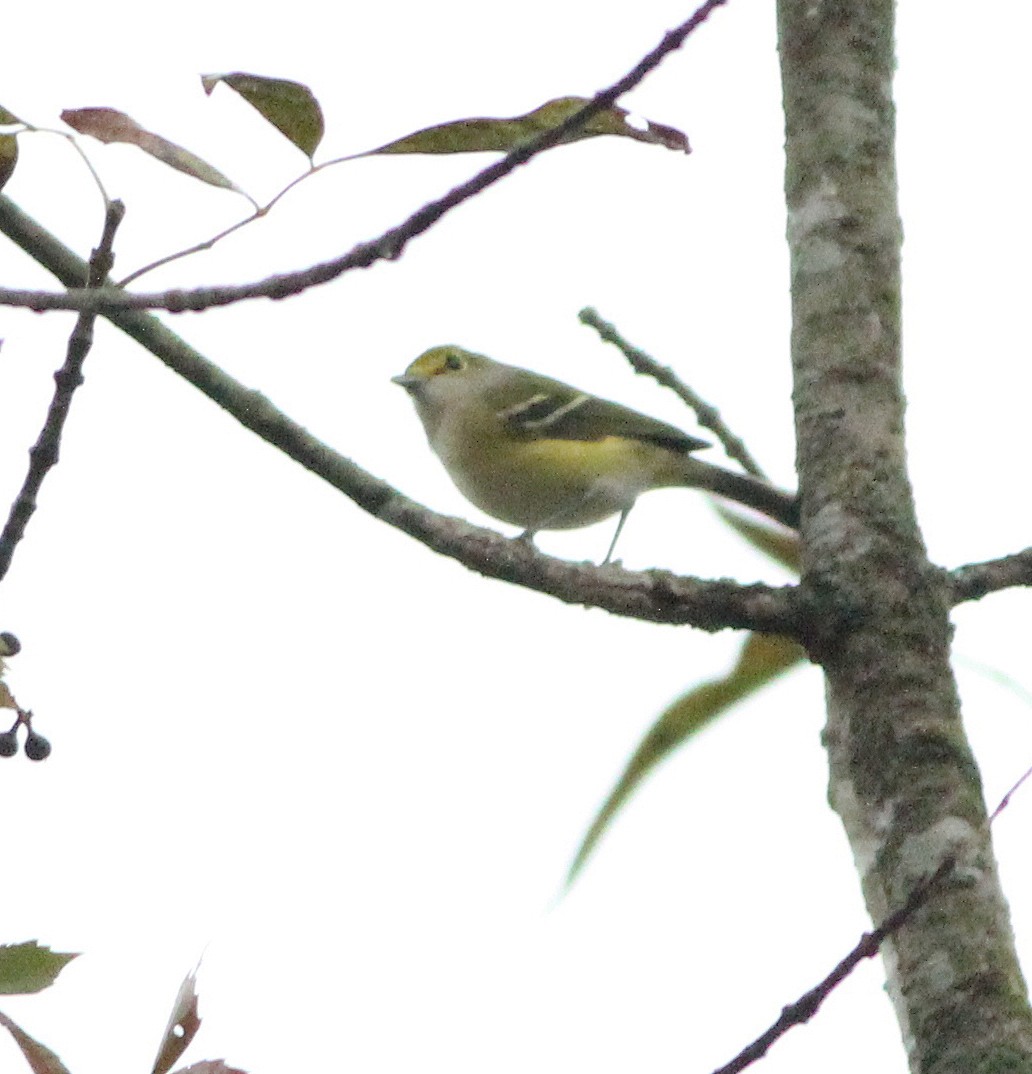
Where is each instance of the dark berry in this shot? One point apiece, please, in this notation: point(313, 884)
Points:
point(8, 744)
point(37, 748)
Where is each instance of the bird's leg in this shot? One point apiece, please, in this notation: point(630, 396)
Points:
point(616, 536)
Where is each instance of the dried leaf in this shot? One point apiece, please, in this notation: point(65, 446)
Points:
point(109, 125)
point(7, 118)
point(29, 967)
point(182, 1026)
point(763, 658)
point(40, 1058)
point(290, 107)
point(503, 135)
point(210, 1066)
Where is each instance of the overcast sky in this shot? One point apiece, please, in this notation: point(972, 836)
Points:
point(351, 773)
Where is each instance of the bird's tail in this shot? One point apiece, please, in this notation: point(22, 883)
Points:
point(743, 488)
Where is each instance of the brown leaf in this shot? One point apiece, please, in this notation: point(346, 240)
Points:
point(290, 107)
point(210, 1066)
point(109, 125)
point(182, 1027)
point(40, 1058)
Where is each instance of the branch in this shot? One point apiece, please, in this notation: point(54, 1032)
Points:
point(389, 246)
point(708, 416)
point(975, 580)
point(656, 596)
point(44, 454)
point(804, 1008)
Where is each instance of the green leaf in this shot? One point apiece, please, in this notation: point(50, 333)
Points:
point(763, 658)
point(7, 118)
point(28, 967)
point(109, 125)
point(40, 1058)
point(8, 157)
point(502, 135)
point(290, 107)
point(776, 542)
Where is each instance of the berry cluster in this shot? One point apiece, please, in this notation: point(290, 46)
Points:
point(37, 748)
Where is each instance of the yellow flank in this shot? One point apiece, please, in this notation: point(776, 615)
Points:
point(559, 484)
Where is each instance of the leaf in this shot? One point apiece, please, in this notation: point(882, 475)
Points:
point(28, 967)
point(210, 1066)
point(40, 1058)
point(289, 106)
point(182, 1027)
point(763, 658)
point(503, 135)
point(776, 542)
point(8, 157)
point(7, 118)
point(109, 125)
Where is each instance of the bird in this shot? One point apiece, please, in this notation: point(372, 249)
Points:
point(540, 454)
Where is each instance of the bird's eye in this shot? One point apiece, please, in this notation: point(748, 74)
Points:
point(453, 361)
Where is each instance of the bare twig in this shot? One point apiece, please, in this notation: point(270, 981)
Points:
point(1005, 800)
point(46, 451)
point(74, 143)
point(804, 1008)
point(709, 417)
point(207, 244)
point(390, 244)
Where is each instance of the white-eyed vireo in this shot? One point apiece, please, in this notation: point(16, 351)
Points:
point(540, 454)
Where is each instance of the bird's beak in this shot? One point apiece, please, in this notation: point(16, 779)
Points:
point(409, 383)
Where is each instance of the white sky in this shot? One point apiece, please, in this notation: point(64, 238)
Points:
point(353, 773)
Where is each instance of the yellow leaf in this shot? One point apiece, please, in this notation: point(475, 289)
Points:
point(763, 658)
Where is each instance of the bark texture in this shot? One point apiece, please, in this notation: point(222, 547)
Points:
point(903, 778)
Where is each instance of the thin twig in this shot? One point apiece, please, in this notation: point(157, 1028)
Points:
point(258, 214)
point(709, 417)
point(74, 143)
point(389, 245)
point(804, 1008)
point(207, 244)
point(46, 451)
point(1005, 800)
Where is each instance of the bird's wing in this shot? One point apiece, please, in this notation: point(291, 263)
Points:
point(559, 413)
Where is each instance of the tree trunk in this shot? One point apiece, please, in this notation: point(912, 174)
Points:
point(903, 778)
